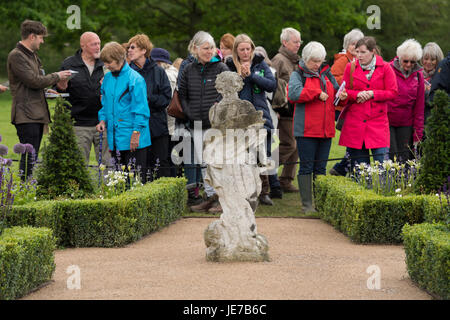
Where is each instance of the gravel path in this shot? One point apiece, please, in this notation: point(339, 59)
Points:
point(309, 260)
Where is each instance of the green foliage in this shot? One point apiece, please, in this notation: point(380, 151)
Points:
point(427, 248)
point(367, 217)
point(109, 222)
point(435, 163)
point(26, 260)
point(63, 171)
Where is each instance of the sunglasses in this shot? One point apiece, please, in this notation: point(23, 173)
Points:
point(132, 47)
point(409, 61)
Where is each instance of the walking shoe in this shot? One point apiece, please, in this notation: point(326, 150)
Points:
point(276, 193)
point(215, 209)
point(205, 205)
point(288, 187)
point(265, 200)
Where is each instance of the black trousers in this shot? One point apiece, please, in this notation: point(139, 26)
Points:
point(137, 159)
point(157, 157)
point(401, 143)
point(29, 133)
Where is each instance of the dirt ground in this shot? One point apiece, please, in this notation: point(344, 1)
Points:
point(309, 260)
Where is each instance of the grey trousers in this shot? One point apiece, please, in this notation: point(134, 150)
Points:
point(86, 136)
point(401, 143)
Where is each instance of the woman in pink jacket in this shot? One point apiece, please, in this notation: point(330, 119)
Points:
point(406, 111)
point(366, 123)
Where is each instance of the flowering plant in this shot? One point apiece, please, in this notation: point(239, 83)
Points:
point(118, 181)
point(388, 178)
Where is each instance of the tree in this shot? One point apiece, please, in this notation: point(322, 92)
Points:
point(63, 171)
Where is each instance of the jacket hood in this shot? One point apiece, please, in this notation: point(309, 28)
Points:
point(395, 63)
point(293, 57)
point(148, 65)
point(341, 55)
point(79, 60)
point(324, 67)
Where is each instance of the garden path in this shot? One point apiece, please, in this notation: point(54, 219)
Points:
point(309, 260)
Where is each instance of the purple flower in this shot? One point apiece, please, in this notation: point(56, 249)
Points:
point(3, 150)
point(7, 162)
point(19, 148)
point(29, 148)
point(1, 138)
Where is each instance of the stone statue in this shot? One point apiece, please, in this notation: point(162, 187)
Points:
point(230, 152)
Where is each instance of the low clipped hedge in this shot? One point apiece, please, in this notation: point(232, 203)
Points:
point(427, 248)
point(367, 217)
point(26, 260)
point(109, 222)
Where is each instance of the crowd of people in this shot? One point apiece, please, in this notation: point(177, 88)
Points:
point(119, 96)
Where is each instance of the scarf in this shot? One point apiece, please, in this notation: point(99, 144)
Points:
point(370, 66)
point(428, 75)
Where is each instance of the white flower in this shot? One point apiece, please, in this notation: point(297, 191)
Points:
point(399, 195)
point(398, 190)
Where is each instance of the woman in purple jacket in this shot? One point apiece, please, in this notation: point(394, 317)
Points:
point(406, 111)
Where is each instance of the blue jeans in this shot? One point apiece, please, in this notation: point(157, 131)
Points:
point(309, 151)
point(362, 155)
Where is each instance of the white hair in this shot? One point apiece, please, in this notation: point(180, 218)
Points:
point(200, 38)
point(313, 50)
point(286, 34)
point(352, 37)
point(411, 49)
point(433, 51)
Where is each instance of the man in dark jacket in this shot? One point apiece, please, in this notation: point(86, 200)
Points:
point(29, 112)
point(84, 95)
point(441, 81)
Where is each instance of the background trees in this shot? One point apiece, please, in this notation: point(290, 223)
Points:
point(172, 23)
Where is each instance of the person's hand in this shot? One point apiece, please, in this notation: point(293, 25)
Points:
point(64, 75)
point(427, 87)
point(323, 96)
point(101, 126)
point(101, 81)
point(62, 85)
point(343, 95)
point(245, 70)
point(3, 88)
point(134, 141)
point(363, 96)
point(52, 91)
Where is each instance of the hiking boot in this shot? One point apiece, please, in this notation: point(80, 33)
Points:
point(206, 204)
point(305, 186)
point(215, 209)
point(265, 200)
point(288, 187)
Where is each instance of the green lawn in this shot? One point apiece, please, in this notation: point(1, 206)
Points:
point(289, 206)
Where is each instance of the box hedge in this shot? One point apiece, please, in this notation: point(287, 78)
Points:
point(26, 260)
point(427, 248)
point(367, 217)
point(109, 222)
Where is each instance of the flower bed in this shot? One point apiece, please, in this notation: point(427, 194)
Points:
point(110, 222)
point(427, 248)
point(367, 217)
point(26, 260)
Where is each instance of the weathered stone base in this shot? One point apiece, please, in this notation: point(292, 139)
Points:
point(223, 248)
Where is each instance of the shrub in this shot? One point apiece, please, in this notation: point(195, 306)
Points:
point(367, 217)
point(26, 260)
point(109, 222)
point(427, 248)
point(63, 171)
point(436, 147)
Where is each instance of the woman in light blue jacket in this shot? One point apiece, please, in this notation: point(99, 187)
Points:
point(125, 113)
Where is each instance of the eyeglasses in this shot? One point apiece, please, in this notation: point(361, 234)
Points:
point(409, 61)
point(132, 47)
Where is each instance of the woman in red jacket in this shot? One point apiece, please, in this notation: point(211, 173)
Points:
point(312, 89)
point(406, 111)
point(366, 123)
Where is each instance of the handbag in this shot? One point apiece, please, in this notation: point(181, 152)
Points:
point(174, 109)
point(341, 118)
